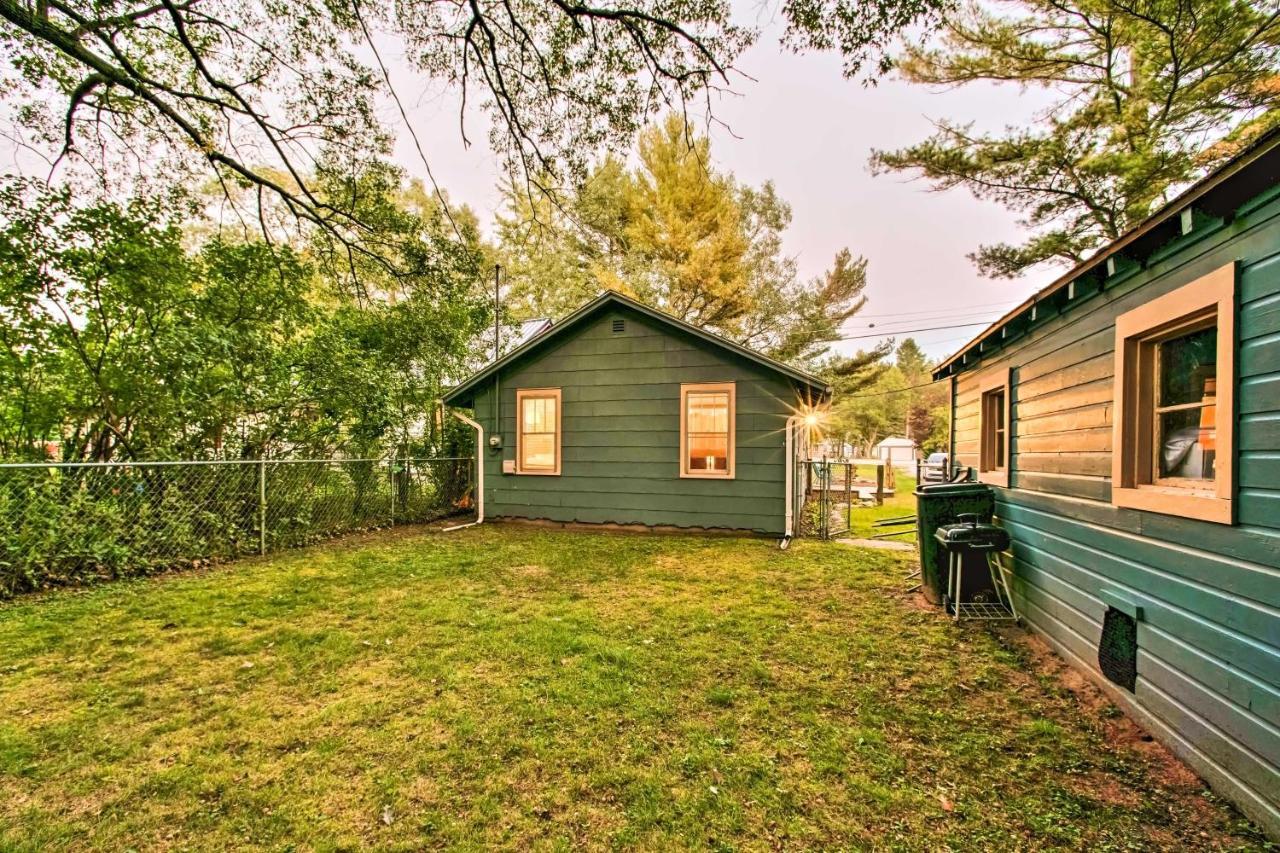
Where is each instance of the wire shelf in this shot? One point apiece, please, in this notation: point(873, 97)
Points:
point(987, 610)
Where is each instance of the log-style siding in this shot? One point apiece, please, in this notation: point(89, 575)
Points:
point(621, 439)
point(1209, 642)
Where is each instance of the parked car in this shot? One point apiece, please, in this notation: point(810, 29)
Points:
point(935, 468)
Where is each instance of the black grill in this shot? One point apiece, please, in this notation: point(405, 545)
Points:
point(619, 325)
point(1118, 649)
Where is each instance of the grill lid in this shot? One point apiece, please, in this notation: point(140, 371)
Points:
point(973, 535)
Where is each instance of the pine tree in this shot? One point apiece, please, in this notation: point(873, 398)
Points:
point(679, 235)
point(1153, 93)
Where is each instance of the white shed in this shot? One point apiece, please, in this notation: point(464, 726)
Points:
point(897, 451)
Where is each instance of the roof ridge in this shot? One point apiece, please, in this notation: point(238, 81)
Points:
point(608, 295)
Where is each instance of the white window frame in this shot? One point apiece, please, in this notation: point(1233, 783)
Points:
point(708, 387)
point(523, 394)
point(988, 471)
point(1133, 477)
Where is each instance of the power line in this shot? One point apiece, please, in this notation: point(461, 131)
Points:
point(891, 391)
point(977, 316)
point(913, 331)
point(966, 309)
point(946, 315)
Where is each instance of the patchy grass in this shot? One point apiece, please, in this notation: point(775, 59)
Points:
point(516, 687)
point(901, 503)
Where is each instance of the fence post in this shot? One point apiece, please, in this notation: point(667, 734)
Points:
point(262, 506)
point(825, 502)
point(848, 497)
point(391, 482)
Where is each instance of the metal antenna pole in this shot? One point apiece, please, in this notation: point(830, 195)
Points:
point(497, 307)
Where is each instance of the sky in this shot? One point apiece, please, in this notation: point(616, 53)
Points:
point(801, 124)
point(797, 121)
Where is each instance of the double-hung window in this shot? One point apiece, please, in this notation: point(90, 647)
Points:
point(538, 431)
point(706, 430)
point(993, 429)
point(1175, 378)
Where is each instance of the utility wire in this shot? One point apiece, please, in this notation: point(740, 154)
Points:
point(964, 309)
point(912, 331)
point(955, 316)
point(892, 391)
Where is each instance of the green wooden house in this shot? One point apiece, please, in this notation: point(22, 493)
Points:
point(1128, 416)
point(621, 414)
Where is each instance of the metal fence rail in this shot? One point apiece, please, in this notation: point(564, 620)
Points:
point(80, 522)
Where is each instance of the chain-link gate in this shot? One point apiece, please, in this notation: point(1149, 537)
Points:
point(829, 498)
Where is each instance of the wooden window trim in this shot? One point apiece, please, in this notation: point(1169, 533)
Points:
point(1212, 295)
point(731, 388)
point(996, 380)
point(523, 394)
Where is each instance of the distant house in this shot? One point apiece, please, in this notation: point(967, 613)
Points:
point(831, 449)
point(897, 451)
point(1129, 417)
point(621, 414)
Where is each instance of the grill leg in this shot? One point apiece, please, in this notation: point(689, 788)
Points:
point(957, 571)
point(1000, 580)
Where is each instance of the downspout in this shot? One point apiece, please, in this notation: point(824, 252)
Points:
point(789, 531)
point(479, 471)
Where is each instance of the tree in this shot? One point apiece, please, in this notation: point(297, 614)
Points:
point(912, 361)
point(875, 411)
point(1152, 94)
point(893, 398)
point(678, 235)
point(274, 94)
point(125, 336)
point(120, 342)
point(923, 397)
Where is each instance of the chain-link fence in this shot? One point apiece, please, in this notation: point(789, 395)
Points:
point(77, 523)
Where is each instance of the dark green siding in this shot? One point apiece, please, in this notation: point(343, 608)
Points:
point(621, 432)
point(1209, 656)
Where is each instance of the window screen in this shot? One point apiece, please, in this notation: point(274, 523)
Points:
point(539, 431)
point(706, 422)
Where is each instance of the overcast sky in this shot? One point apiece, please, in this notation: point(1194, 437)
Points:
point(810, 131)
point(797, 121)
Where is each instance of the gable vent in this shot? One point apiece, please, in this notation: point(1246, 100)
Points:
point(619, 325)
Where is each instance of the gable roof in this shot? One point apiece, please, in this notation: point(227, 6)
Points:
point(611, 298)
point(1216, 196)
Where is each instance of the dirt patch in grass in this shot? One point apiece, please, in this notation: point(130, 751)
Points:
point(1119, 729)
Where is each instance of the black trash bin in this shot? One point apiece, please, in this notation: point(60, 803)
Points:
point(938, 505)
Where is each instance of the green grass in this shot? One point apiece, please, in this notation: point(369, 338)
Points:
point(523, 688)
point(901, 503)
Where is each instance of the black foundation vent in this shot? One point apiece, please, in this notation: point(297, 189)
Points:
point(1118, 648)
point(619, 326)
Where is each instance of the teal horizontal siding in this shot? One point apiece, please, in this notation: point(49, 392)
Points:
point(1209, 642)
point(1209, 645)
point(1258, 461)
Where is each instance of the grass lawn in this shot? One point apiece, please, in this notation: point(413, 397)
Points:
point(901, 503)
point(514, 687)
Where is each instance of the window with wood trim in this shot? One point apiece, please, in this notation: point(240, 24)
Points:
point(538, 431)
point(1175, 380)
point(707, 430)
point(994, 429)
